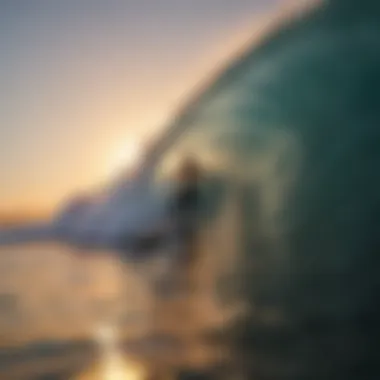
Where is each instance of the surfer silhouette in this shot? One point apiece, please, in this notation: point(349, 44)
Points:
point(184, 210)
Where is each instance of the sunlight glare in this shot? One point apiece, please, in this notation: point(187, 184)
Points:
point(125, 158)
point(112, 363)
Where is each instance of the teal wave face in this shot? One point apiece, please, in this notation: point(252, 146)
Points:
point(298, 118)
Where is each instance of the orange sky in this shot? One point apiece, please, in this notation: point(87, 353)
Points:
point(83, 83)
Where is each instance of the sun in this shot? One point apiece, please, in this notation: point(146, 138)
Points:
point(124, 158)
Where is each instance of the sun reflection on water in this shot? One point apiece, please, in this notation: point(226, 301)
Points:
point(112, 364)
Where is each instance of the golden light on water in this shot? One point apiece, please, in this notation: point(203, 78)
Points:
point(112, 365)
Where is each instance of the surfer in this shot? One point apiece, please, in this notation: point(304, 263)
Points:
point(184, 209)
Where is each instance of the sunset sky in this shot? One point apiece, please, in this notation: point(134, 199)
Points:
point(82, 79)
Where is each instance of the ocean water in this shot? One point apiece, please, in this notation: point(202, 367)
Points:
point(55, 301)
point(52, 300)
point(297, 117)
